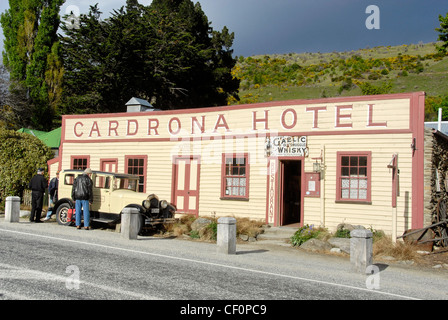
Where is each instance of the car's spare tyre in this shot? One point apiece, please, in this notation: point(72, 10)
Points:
point(62, 214)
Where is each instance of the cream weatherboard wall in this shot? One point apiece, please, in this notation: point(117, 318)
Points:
point(378, 214)
point(382, 125)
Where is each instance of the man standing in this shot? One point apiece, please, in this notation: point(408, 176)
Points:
point(82, 193)
point(53, 195)
point(38, 184)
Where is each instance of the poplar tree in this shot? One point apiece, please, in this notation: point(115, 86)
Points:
point(32, 55)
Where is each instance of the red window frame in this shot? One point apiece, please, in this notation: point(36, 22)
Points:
point(353, 176)
point(233, 173)
point(137, 167)
point(79, 162)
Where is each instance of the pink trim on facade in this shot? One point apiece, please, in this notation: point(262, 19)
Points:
point(259, 121)
point(417, 127)
point(261, 105)
point(223, 175)
point(145, 166)
point(339, 156)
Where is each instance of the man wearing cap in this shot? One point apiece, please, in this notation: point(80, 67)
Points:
point(38, 184)
point(82, 194)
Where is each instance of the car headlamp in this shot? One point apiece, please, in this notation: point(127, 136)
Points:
point(146, 204)
point(164, 204)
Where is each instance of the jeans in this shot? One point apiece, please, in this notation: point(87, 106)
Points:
point(85, 206)
point(50, 209)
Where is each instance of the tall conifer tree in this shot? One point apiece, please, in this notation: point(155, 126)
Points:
point(443, 34)
point(166, 52)
point(32, 56)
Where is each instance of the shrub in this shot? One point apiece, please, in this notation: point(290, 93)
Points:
point(245, 226)
point(209, 232)
point(194, 234)
point(384, 246)
point(304, 234)
point(251, 228)
point(342, 233)
point(21, 155)
point(369, 89)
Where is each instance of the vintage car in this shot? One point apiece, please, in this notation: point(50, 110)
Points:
point(112, 192)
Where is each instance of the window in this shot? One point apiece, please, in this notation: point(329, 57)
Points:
point(69, 178)
point(137, 165)
point(80, 162)
point(353, 176)
point(124, 183)
point(102, 182)
point(235, 176)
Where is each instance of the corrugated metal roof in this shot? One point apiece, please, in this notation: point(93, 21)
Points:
point(33, 132)
point(137, 101)
point(52, 139)
point(435, 125)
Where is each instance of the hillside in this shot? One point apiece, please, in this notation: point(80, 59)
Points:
point(392, 69)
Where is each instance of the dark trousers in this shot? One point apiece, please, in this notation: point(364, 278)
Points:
point(37, 201)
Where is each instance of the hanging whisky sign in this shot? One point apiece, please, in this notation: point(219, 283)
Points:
point(281, 146)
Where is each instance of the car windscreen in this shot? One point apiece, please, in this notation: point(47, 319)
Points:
point(124, 183)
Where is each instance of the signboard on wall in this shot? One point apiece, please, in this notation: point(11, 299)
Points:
point(312, 184)
point(282, 146)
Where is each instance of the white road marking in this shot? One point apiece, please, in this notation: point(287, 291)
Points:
point(217, 265)
point(9, 272)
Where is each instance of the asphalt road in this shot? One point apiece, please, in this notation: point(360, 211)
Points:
point(47, 261)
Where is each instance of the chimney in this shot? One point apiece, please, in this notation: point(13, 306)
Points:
point(139, 105)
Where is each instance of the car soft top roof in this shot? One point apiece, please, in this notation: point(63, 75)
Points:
point(118, 175)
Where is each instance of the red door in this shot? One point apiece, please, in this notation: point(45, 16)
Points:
point(185, 196)
point(109, 165)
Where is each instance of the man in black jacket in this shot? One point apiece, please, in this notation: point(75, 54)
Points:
point(38, 184)
point(82, 193)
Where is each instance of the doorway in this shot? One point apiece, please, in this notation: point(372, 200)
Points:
point(186, 172)
point(291, 192)
point(109, 165)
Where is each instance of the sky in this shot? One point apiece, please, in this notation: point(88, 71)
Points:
point(297, 26)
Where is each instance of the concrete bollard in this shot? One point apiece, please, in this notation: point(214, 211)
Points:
point(361, 250)
point(12, 209)
point(226, 237)
point(130, 223)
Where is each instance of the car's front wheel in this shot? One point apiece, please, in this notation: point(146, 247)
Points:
point(62, 214)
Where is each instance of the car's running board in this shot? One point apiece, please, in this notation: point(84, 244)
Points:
point(102, 220)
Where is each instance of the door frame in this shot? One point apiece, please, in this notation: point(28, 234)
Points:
point(274, 192)
point(281, 215)
point(103, 162)
point(174, 180)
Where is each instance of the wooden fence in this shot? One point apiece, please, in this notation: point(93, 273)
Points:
point(26, 198)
